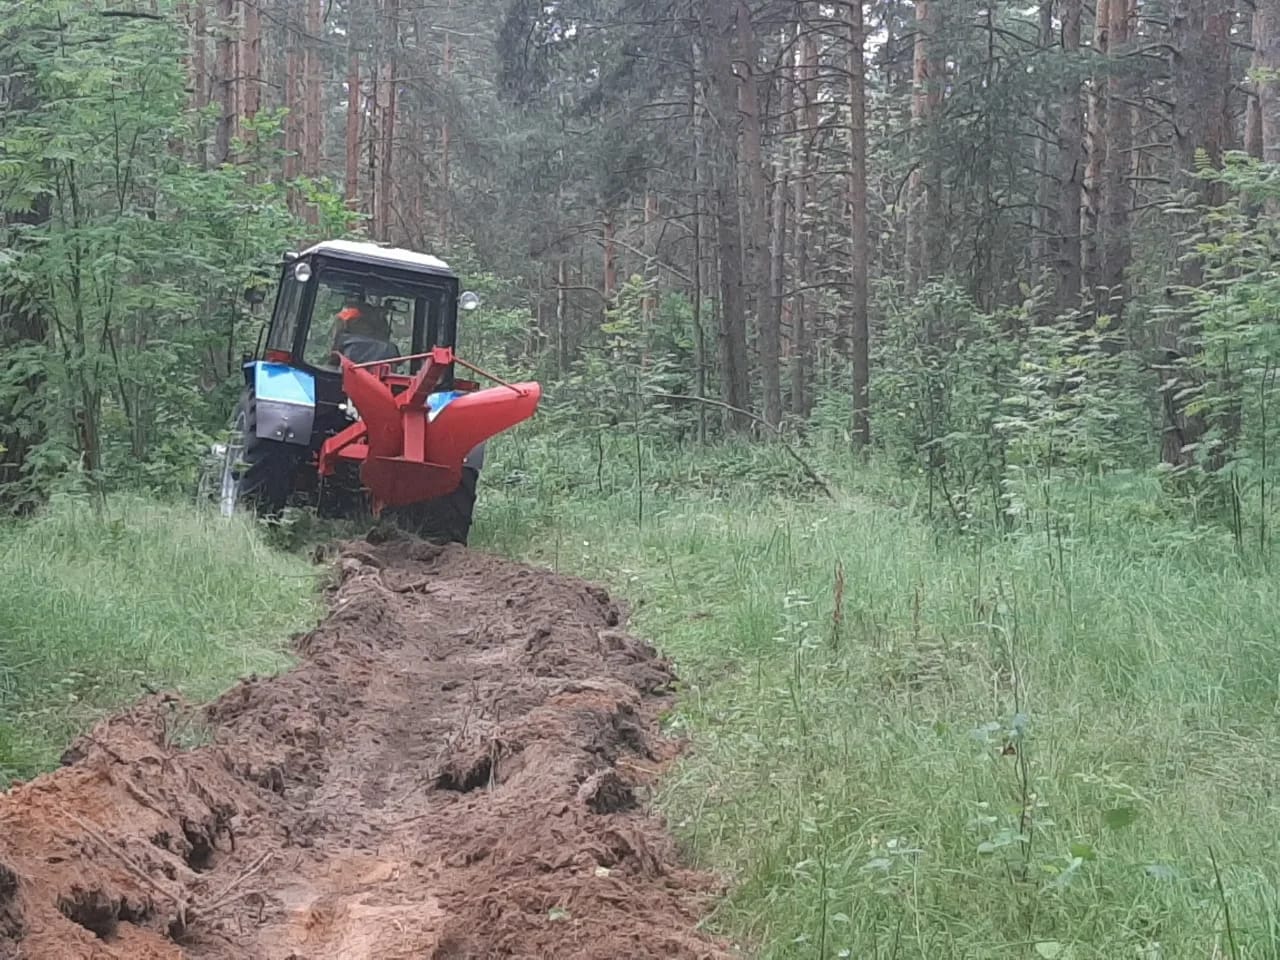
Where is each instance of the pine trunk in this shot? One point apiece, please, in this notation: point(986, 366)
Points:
point(225, 83)
point(1200, 67)
point(1095, 186)
point(312, 118)
point(610, 285)
point(699, 261)
point(758, 256)
point(649, 307)
point(446, 187)
point(924, 218)
point(727, 128)
point(251, 60)
point(386, 99)
point(1266, 43)
point(292, 104)
point(802, 357)
point(1118, 192)
point(860, 332)
point(355, 111)
point(1066, 239)
point(1042, 216)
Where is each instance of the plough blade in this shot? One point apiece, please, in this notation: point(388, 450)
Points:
point(410, 454)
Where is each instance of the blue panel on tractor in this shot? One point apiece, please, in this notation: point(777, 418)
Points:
point(438, 401)
point(284, 384)
point(285, 401)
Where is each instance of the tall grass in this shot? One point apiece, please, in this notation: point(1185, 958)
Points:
point(914, 745)
point(99, 605)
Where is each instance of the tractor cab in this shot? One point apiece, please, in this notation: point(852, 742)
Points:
point(362, 301)
point(354, 389)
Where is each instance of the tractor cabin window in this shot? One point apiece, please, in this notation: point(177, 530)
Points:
point(284, 323)
point(371, 317)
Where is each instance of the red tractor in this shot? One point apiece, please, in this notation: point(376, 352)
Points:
point(354, 403)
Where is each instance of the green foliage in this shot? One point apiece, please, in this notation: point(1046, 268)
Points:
point(1228, 373)
point(621, 396)
point(917, 745)
point(103, 601)
point(138, 251)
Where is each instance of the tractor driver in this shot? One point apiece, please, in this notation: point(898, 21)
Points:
point(363, 334)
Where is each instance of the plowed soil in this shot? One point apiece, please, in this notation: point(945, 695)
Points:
point(458, 767)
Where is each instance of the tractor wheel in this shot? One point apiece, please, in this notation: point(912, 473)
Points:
point(445, 519)
point(257, 473)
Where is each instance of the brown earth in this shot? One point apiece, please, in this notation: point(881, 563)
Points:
point(457, 768)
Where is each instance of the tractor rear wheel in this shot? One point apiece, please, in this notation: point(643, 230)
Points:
point(445, 519)
point(257, 473)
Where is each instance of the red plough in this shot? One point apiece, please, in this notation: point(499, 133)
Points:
point(410, 450)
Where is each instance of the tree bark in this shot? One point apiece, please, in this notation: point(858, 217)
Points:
point(1200, 68)
point(446, 131)
point(610, 285)
point(1066, 239)
point(649, 306)
point(292, 104)
point(355, 113)
point(1095, 186)
point(1266, 44)
point(1118, 191)
point(860, 327)
point(225, 85)
point(718, 27)
point(1042, 216)
point(699, 261)
point(251, 59)
point(200, 73)
point(386, 100)
point(312, 117)
point(924, 218)
point(802, 352)
point(777, 268)
point(759, 259)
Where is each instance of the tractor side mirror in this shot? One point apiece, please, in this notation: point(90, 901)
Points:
point(254, 296)
point(469, 301)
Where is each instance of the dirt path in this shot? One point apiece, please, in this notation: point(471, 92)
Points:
point(456, 769)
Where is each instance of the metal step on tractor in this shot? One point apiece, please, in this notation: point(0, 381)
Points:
point(353, 406)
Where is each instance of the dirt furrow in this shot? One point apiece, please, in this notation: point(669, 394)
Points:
point(457, 768)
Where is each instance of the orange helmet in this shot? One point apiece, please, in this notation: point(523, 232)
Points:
point(347, 314)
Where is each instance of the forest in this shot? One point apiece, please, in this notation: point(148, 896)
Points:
point(908, 366)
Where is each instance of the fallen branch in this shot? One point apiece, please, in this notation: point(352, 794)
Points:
point(228, 893)
point(140, 874)
point(777, 432)
point(133, 15)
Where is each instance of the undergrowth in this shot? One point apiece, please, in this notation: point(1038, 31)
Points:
point(911, 738)
point(911, 743)
point(99, 605)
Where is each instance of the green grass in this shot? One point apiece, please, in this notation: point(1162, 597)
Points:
point(98, 605)
point(1003, 748)
point(1042, 746)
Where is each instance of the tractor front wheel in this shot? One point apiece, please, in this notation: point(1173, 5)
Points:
point(257, 473)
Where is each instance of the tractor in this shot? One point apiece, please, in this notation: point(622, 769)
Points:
point(353, 404)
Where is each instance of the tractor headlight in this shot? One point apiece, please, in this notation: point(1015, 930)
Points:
point(302, 272)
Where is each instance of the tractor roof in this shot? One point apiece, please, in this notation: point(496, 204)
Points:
point(379, 256)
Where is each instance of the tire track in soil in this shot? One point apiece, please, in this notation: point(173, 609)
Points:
point(456, 768)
